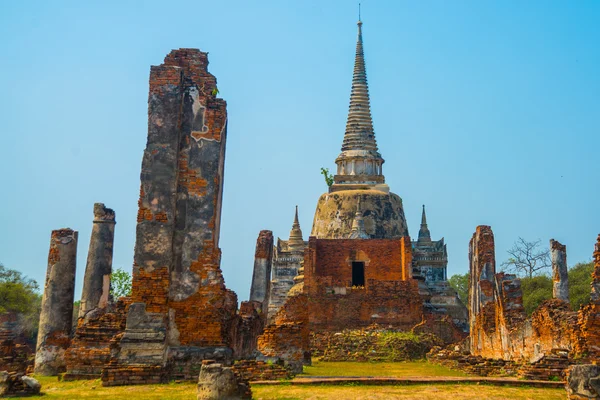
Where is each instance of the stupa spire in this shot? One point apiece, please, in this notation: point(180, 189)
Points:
point(296, 241)
point(424, 233)
point(359, 163)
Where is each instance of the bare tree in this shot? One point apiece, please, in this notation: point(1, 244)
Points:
point(527, 258)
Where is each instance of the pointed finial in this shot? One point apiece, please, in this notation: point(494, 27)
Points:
point(424, 234)
point(359, 12)
point(296, 242)
point(358, 205)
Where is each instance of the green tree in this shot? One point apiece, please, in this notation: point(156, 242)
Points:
point(535, 290)
point(20, 295)
point(120, 283)
point(580, 279)
point(460, 283)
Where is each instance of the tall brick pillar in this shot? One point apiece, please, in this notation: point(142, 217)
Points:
point(261, 278)
point(182, 312)
point(96, 282)
point(56, 317)
point(482, 270)
point(560, 276)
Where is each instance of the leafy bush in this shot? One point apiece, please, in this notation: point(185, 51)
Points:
point(120, 284)
point(20, 295)
point(580, 279)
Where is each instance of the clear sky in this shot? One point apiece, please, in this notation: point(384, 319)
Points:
point(488, 112)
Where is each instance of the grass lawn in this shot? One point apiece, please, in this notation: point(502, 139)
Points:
point(421, 392)
point(53, 389)
point(394, 369)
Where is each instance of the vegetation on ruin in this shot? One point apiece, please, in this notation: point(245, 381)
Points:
point(120, 284)
point(20, 295)
point(420, 368)
point(328, 177)
point(373, 344)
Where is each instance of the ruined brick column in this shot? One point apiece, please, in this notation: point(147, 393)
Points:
point(560, 275)
point(181, 311)
point(96, 282)
point(57, 303)
point(261, 278)
point(482, 270)
point(596, 273)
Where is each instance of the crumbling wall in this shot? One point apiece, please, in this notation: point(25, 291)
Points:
point(181, 309)
point(389, 296)
point(56, 317)
point(499, 329)
point(90, 347)
point(589, 314)
point(287, 338)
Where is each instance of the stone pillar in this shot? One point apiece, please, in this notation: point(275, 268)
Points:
point(56, 316)
point(596, 272)
point(482, 270)
point(96, 282)
point(261, 279)
point(560, 275)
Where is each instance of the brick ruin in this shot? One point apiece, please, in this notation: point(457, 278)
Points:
point(545, 344)
point(56, 315)
point(358, 268)
point(180, 312)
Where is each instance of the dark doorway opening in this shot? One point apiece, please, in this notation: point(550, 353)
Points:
point(358, 273)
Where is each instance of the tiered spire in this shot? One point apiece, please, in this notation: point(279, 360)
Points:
point(296, 242)
point(424, 234)
point(360, 157)
point(359, 127)
point(358, 225)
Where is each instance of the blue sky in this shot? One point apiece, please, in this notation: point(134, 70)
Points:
point(487, 112)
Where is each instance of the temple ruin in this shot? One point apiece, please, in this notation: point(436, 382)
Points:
point(358, 267)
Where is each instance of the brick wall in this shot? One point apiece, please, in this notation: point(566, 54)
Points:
point(545, 343)
point(387, 297)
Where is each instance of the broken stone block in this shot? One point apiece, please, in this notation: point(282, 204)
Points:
point(583, 382)
point(32, 384)
point(217, 382)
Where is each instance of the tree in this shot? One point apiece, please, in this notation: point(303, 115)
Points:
point(535, 290)
point(460, 283)
point(580, 279)
point(120, 283)
point(19, 295)
point(527, 259)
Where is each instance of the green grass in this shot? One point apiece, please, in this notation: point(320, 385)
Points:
point(53, 389)
point(393, 369)
point(421, 392)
